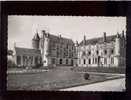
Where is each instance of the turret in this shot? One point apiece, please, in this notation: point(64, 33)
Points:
point(117, 44)
point(35, 41)
point(45, 48)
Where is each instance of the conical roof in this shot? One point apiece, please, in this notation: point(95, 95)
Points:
point(36, 37)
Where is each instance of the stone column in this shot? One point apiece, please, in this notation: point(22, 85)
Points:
point(21, 60)
point(33, 61)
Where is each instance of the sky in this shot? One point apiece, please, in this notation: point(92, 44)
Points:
point(21, 29)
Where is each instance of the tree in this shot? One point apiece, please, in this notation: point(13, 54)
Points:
point(86, 76)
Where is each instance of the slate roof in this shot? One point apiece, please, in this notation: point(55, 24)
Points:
point(36, 37)
point(27, 51)
point(60, 39)
point(99, 40)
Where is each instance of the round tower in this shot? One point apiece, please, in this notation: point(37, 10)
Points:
point(35, 41)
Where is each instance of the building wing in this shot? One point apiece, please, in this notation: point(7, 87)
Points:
point(98, 40)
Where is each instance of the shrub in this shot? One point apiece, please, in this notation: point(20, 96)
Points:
point(11, 64)
point(86, 76)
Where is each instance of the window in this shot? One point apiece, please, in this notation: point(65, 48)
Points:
point(105, 61)
point(84, 53)
point(84, 61)
point(112, 51)
point(67, 46)
point(36, 60)
point(105, 52)
point(89, 61)
point(53, 60)
point(18, 60)
point(72, 62)
point(31, 60)
point(92, 60)
point(66, 61)
point(24, 59)
point(89, 53)
point(60, 61)
point(79, 61)
point(95, 60)
point(112, 60)
point(40, 60)
point(97, 52)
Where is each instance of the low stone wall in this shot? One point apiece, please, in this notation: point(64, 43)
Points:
point(100, 69)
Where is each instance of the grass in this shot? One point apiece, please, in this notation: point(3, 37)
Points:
point(52, 80)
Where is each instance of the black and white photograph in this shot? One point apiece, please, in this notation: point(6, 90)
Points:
point(66, 53)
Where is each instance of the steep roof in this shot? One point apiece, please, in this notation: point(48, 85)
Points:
point(98, 40)
point(62, 39)
point(36, 37)
point(27, 51)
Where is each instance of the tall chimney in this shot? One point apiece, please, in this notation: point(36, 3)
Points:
point(84, 39)
point(104, 37)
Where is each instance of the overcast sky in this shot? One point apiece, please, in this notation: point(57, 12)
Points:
point(21, 29)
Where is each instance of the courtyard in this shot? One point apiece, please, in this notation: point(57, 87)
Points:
point(54, 79)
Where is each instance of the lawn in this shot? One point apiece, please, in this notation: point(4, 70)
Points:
point(52, 80)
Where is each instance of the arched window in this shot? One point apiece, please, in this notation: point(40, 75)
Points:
point(84, 61)
point(105, 52)
point(89, 61)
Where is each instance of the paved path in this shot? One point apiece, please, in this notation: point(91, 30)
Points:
point(111, 85)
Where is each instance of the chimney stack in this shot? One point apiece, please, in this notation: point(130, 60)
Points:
point(84, 39)
point(60, 36)
point(104, 37)
point(76, 43)
point(117, 35)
